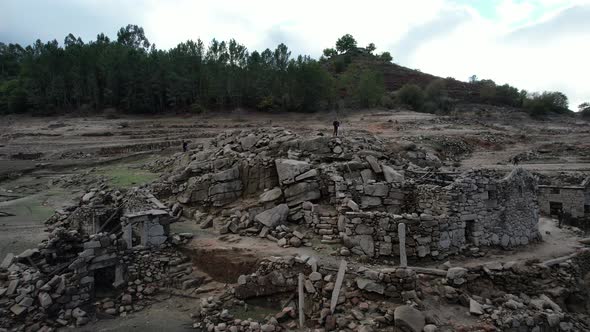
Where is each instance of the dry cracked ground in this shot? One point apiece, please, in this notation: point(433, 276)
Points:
point(49, 164)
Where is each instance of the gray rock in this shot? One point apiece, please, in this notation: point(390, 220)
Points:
point(374, 164)
point(17, 309)
point(309, 287)
point(352, 205)
point(370, 286)
point(273, 217)
point(408, 318)
point(377, 189)
point(45, 300)
point(288, 169)
point(456, 272)
point(391, 175)
point(366, 243)
point(475, 308)
point(315, 276)
point(303, 191)
point(242, 279)
point(87, 197)
point(295, 241)
point(309, 174)
point(248, 141)
point(367, 175)
point(363, 229)
point(8, 259)
point(271, 195)
point(430, 328)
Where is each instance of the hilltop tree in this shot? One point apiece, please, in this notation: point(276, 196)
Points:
point(346, 43)
point(371, 48)
point(584, 109)
point(386, 56)
point(473, 79)
point(330, 52)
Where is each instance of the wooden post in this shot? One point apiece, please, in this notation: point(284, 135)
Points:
point(301, 300)
point(338, 285)
point(401, 231)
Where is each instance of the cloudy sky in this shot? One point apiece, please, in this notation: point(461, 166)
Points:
point(532, 44)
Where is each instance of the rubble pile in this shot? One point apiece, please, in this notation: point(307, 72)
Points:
point(525, 296)
point(270, 178)
point(112, 243)
point(353, 307)
point(514, 296)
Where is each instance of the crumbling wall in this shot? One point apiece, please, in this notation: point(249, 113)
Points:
point(375, 234)
point(482, 210)
point(572, 199)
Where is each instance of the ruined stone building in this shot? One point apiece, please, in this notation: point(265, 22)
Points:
point(355, 192)
point(573, 200)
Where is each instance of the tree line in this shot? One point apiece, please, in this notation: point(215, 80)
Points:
point(131, 74)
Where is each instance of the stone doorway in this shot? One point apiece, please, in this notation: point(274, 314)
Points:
point(555, 208)
point(103, 282)
point(469, 231)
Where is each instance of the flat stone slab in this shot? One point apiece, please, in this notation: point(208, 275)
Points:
point(8, 259)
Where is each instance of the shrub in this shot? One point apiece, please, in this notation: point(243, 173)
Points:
point(437, 99)
point(266, 104)
point(542, 104)
point(585, 110)
point(411, 95)
point(387, 101)
point(487, 90)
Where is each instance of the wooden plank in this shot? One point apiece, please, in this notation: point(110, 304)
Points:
point(301, 300)
point(338, 285)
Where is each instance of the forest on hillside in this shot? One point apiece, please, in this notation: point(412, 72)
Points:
point(130, 74)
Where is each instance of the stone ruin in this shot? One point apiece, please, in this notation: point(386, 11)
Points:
point(108, 255)
point(512, 296)
point(351, 191)
point(570, 199)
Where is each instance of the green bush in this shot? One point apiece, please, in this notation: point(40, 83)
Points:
point(539, 105)
point(585, 110)
point(411, 95)
point(266, 104)
point(387, 101)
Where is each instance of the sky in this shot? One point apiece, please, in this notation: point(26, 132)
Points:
point(537, 45)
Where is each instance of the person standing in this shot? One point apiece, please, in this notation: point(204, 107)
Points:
point(336, 124)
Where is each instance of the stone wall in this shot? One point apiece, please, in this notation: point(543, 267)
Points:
point(482, 210)
point(475, 210)
point(280, 275)
point(571, 198)
point(375, 234)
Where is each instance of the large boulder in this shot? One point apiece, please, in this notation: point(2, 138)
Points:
point(248, 141)
point(273, 217)
point(303, 191)
point(409, 319)
point(288, 169)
